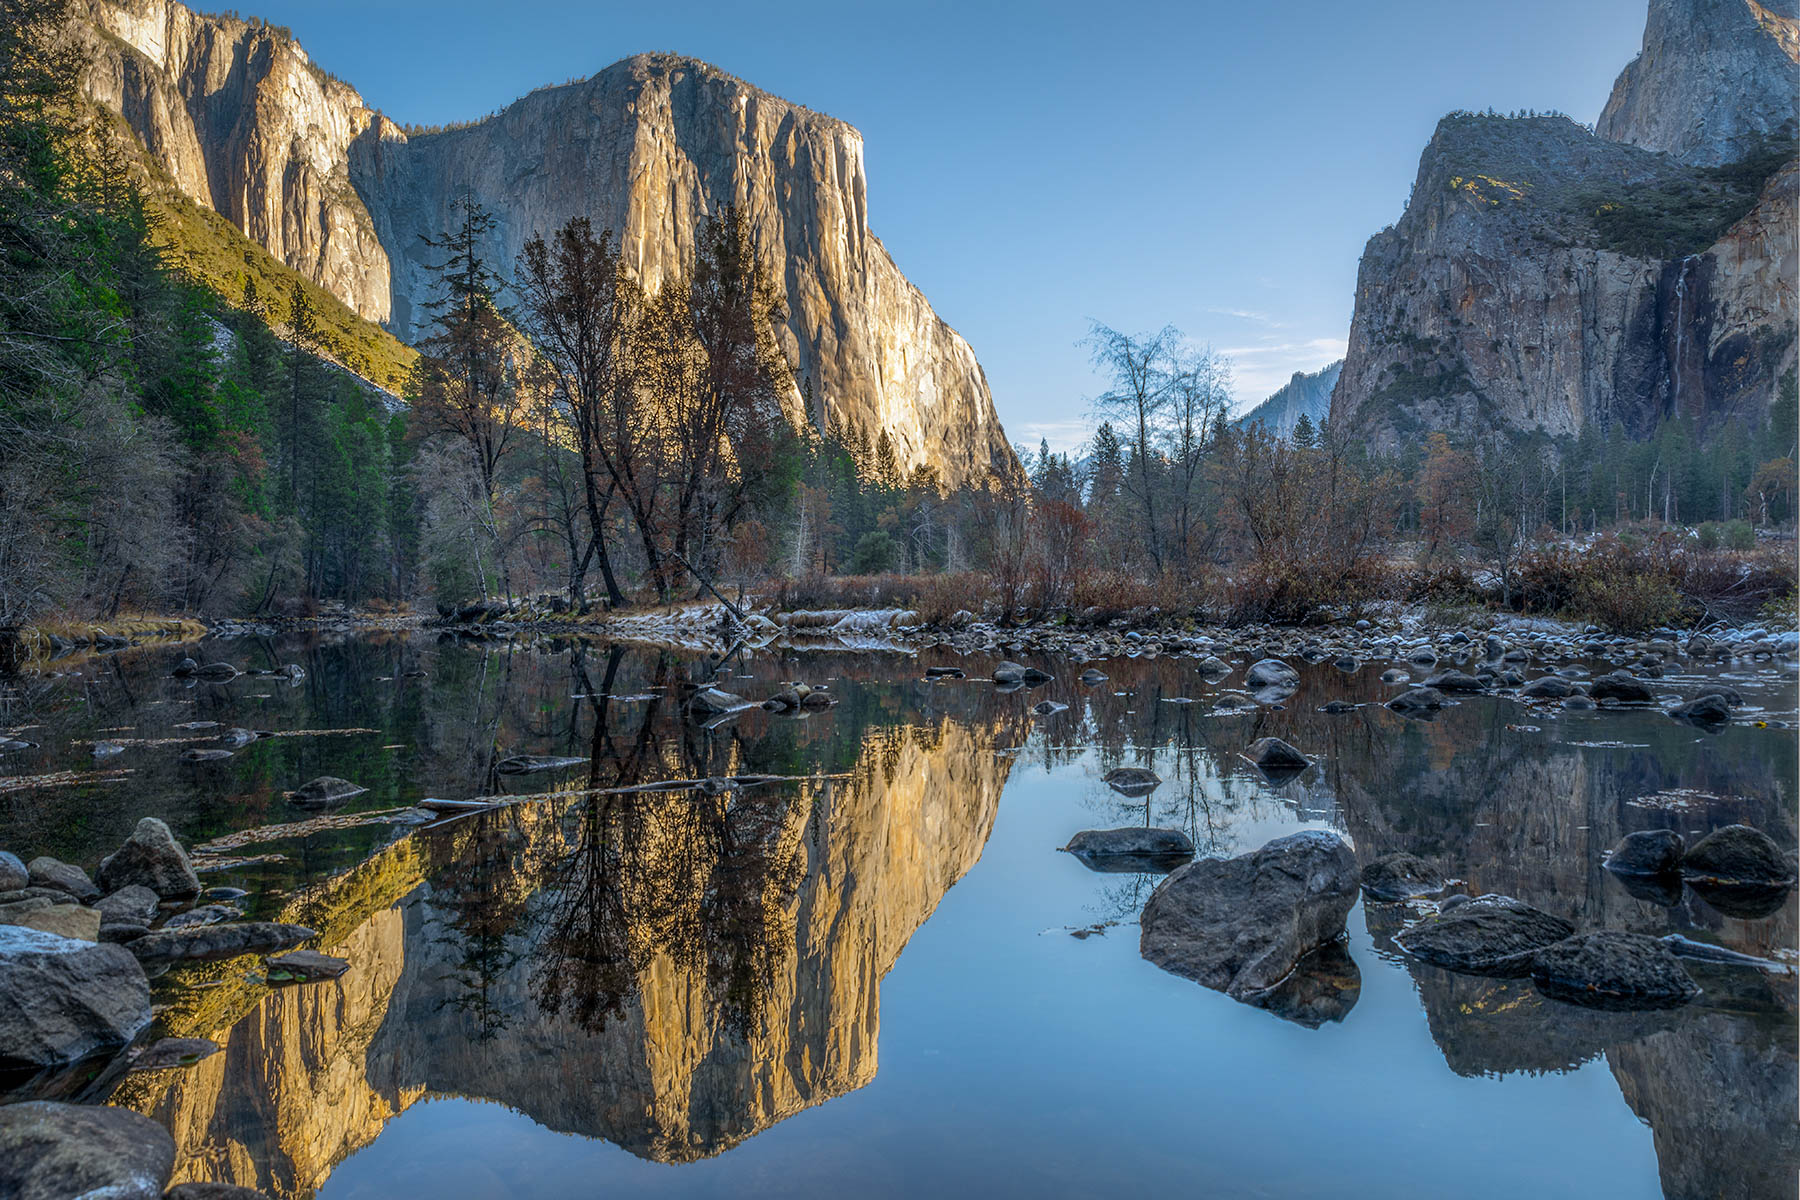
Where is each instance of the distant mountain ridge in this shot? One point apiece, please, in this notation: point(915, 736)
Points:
point(243, 122)
point(1545, 277)
point(1305, 394)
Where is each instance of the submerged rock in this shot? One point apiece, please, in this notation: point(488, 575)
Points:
point(1008, 671)
point(63, 1000)
point(153, 859)
point(713, 700)
point(1091, 677)
point(1550, 687)
point(1395, 675)
point(1610, 969)
point(1048, 708)
point(1132, 781)
point(324, 792)
point(51, 1151)
point(1738, 854)
point(1240, 925)
point(1397, 876)
point(1488, 935)
point(201, 755)
point(1646, 852)
point(526, 764)
point(1133, 849)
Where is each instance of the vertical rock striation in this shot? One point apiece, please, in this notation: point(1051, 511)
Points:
point(244, 123)
point(1545, 278)
point(1714, 78)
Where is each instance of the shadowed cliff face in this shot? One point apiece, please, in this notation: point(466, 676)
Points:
point(651, 147)
point(1512, 296)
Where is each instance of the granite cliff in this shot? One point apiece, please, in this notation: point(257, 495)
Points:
point(1307, 395)
point(1546, 277)
point(243, 122)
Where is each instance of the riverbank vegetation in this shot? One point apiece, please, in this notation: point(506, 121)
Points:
point(165, 448)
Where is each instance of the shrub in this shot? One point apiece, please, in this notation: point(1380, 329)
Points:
point(873, 554)
point(1740, 536)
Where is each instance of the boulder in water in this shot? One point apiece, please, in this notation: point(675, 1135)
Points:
point(1612, 970)
point(1455, 681)
point(1133, 781)
point(1488, 935)
point(51, 1151)
point(1622, 688)
point(217, 941)
point(13, 873)
point(1240, 925)
point(1418, 702)
point(63, 1000)
point(1134, 849)
point(1550, 687)
point(151, 858)
point(1710, 709)
point(1738, 854)
point(1647, 852)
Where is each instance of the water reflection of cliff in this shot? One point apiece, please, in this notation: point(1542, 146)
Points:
point(669, 971)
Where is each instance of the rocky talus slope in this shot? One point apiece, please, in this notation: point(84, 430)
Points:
point(1545, 277)
point(243, 122)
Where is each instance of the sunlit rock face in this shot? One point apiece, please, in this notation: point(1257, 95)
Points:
point(684, 978)
point(1713, 76)
point(246, 124)
point(671, 973)
point(1499, 302)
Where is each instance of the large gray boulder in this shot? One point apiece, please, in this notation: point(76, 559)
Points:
point(1417, 702)
point(153, 859)
point(63, 1000)
point(13, 874)
point(1738, 854)
point(1646, 852)
point(1240, 925)
point(1490, 935)
point(52, 1151)
point(1622, 688)
point(1613, 970)
point(217, 941)
point(1132, 849)
point(47, 872)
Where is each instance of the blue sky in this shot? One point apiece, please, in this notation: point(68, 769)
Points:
point(1213, 166)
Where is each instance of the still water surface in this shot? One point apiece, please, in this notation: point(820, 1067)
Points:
point(869, 981)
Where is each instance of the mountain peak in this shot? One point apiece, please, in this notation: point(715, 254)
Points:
point(1715, 78)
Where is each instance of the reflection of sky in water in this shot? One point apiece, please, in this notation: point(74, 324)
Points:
point(1013, 1058)
point(1019, 1061)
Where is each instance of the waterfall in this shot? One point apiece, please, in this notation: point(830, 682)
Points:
point(1680, 330)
